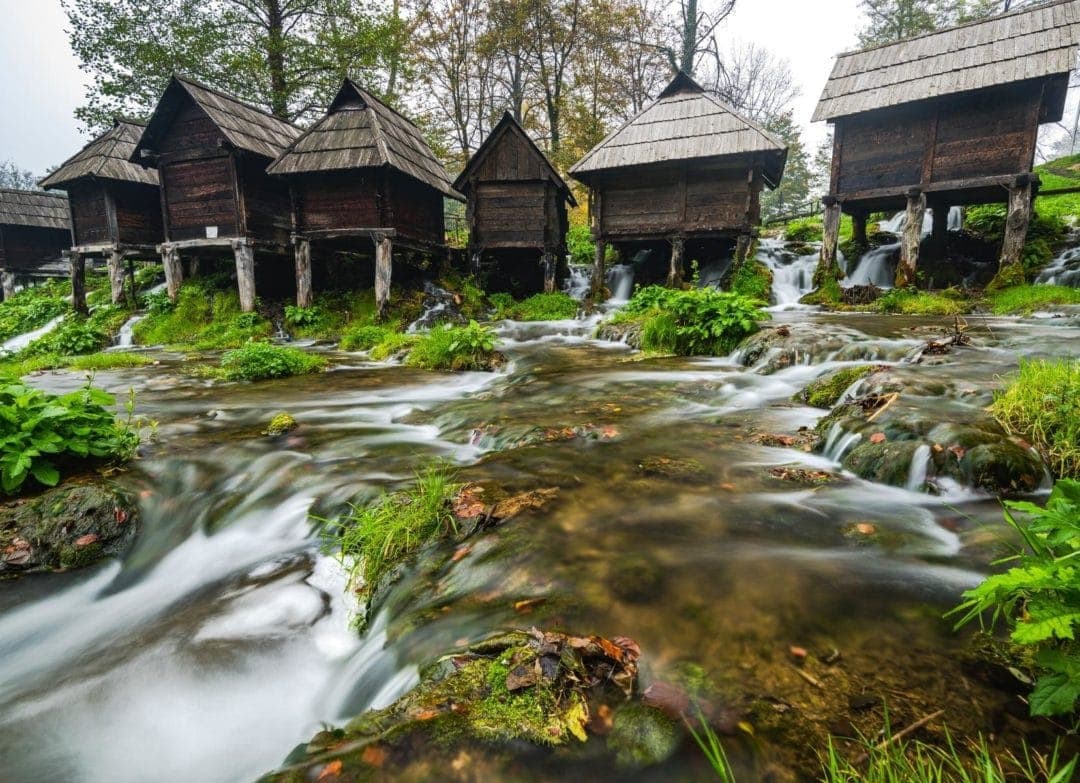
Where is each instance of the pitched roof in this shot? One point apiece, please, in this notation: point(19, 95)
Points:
point(34, 208)
point(684, 123)
point(244, 126)
point(106, 157)
point(1033, 42)
point(510, 125)
point(360, 131)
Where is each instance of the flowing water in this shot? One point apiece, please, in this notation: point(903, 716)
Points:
point(1063, 270)
point(792, 274)
point(20, 341)
point(223, 638)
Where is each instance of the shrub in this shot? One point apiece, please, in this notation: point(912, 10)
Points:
point(374, 538)
point(30, 309)
point(910, 301)
point(259, 361)
point(392, 344)
point(1026, 299)
point(454, 348)
point(72, 337)
point(803, 230)
point(1046, 231)
point(203, 317)
point(503, 305)
point(555, 306)
point(580, 245)
point(1042, 404)
point(1037, 598)
point(753, 280)
point(694, 322)
point(43, 435)
point(304, 316)
point(157, 303)
point(364, 337)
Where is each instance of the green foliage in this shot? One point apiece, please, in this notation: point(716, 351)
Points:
point(373, 539)
point(911, 301)
point(259, 361)
point(706, 739)
point(43, 435)
point(1026, 299)
point(157, 303)
point(753, 280)
point(1046, 232)
point(555, 306)
point(304, 316)
point(454, 348)
point(204, 317)
point(1042, 404)
point(31, 309)
point(827, 295)
point(580, 245)
point(694, 322)
point(105, 361)
point(392, 344)
point(1038, 598)
point(803, 230)
point(73, 336)
point(364, 337)
point(825, 392)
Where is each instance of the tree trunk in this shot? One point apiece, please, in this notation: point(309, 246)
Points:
point(675, 271)
point(689, 38)
point(911, 239)
point(1016, 224)
point(116, 277)
point(174, 275)
point(275, 59)
point(304, 295)
point(828, 268)
point(384, 254)
point(245, 275)
point(596, 285)
point(548, 262)
point(742, 249)
point(78, 283)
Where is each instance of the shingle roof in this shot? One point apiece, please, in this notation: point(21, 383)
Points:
point(244, 126)
point(34, 208)
point(509, 125)
point(106, 157)
point(1033, 42)
point(360, 131)
point(683, 123)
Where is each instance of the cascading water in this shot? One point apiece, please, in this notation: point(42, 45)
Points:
point(875, 267)
point(20, 341)
point(577, 282)
point(792, 274)
point(125, 338)
point(620, 281)
point(1063, 270)
point(438, 308)
point(956, 219)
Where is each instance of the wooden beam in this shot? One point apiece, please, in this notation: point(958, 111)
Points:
point(596, 283)
point(547, 260)
point(304, 296)
point(110, 212)
point(827, 267)
point(675, 270)
point(384, 254)
point(245, 274)
point(78, 283)
point(174, 274)
point(7, 283)
point(911, 239)
point(1016, 224)
point(115, 262)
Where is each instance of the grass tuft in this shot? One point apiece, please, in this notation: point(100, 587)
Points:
point(1026, 299)
point(260, 361)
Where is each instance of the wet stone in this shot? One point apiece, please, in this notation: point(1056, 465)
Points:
point(642, 736)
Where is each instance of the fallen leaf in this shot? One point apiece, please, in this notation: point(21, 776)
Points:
point(427, 714)
point(120, 515)
point(601, 721)
point(728, 486)
point(373, 756)
point(957, 451)
point(525, 606)
point(577, 717)
point(522, 677)
point(331, 770)
point(87, 540)
point(669, 699)
point(865, 529)
point(798, 653)
point(461, 553)
point(878, 437)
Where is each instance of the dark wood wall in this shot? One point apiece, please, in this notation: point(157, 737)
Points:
point(199, 193)
point(138, 213)
point(414, 209)
point(268, 213)
point(989, 133)
point(92, 223)
point(690, 200)
point(106, 211)
point(25, 247)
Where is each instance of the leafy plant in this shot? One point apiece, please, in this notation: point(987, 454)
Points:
point(580, 245)
point(1039, 597)
point(454, 348)
point(157, 303)
point(753, 280)
point(556, 306)
point(694, 322)
point(1026, 299)
point(911, 301)
point(304, 316)
point(31, 309)
point(72, 337)
point(43, 435)
point(364, 337)
point(1042, 403)
point(259, 361)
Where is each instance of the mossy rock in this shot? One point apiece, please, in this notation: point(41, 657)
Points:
point(281, 424)
point(636, 579)
point(626, 331)
point(642, 736)
point(1007, 277)
point(826, 391)
point(1004, 468)
point(70, 526)
point(887, 462)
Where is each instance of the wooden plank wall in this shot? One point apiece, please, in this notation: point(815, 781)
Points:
point(191, 131)
point(138, 213)
point(26, 247)
point(511, 214)
point(511, 159)
point(336, 200)
point(269, 208)
point(414, 209)
point(90, 213)
point(199, 193)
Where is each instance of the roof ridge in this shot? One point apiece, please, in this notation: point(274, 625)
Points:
point(183, 78)
point(961, 26)
point(32, 192)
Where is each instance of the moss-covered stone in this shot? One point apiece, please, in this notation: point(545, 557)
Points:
point(281, 424)
point(887, 462)
point(825, 392)
point(642, 736)
point(1008, 276)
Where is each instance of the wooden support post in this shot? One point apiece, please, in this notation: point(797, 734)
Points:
point(245, 274)
point(170, 260)
point(304, 295)
point(597, 283)
point(1016, 224)
point(675, 269)
point(742, 250)
point(192, 267)
point(828, 268)
point(131, 280)
point(78, 283)
point(858, 230)
point(911, 239)
point(115, 262)
point(384, 266)
point(939, 233)
point(547, 260)
point(7, 283)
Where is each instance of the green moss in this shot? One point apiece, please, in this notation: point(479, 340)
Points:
point(753, 280)
point(392, 344)
point(204, 317)
point(281, 424)
point(80, 556)
point(826, 295)
point(1026, 299)
point(539, 307)
point(803, 230)
point(1010, 276)
point(455, 348)
point(260, 361)
point(1042, 403)
point(825, 391)
point(364, 337)
point(909, 301)
point(642, 736)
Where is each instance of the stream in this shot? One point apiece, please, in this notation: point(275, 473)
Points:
point(223, 638)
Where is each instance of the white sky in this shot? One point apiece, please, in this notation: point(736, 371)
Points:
point(41, 84)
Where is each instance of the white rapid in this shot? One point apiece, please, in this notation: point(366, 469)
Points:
point(20, 341)
point(792, 274)
point(125, 338)
point(1063, 270)
point(577, 282)
point(620, 280)
point(875, 267)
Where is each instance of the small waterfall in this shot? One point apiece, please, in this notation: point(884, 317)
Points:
point(896, 224)
point(710, 274)
point(577, 283)
point(125, 338)
point(875, 267)
point(792, 275)
point(438, 308)
point(920, 465)
point(20, 341)
point(838, 442)
point(1063, 270)
point(620, 279)
point(956, 219)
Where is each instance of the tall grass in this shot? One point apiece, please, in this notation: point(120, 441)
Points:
point(709, 743)
point(374, 538)
point(1042, 404)
point(1026, 299)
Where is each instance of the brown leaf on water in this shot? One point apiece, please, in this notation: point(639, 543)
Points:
point(526, 605)
point(373, 756)
point(461, 553)
point(957, 451)
point(601, 720)
point(865, 529)
point(120, 515)
point(427, 714)
point(878, 437)
point(633, 651)
point(612, 650)
point(332, 770)
point(524, 676)
point(468, 504)
point(798, 653)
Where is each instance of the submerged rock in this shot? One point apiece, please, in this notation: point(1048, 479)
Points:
point(642, 736)
point(69, 526)
point(281, 424)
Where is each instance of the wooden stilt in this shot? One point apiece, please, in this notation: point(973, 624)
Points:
point(7, 283)
point(192, 267)
point(911, 239)
point(548, 262)
point(170, 260)
point(828, 268)
point(131, 281)
point(78, 283)
point(245, 274)
point(304, 295)
point(384, 254)
point(1016, 224)
point(939, 233)
point(742, 249)
point(115, 262)
point(596, 284)
point(675, 269)
point(858, 232)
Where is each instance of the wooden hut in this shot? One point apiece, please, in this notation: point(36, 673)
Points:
point(115, 206)
point(947, 118)
point(34, 233)
point(365, 171)
point(516, 202)
point(686, 168)
point(211, 151)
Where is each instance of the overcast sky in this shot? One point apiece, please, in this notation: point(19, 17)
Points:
point(41, 84)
